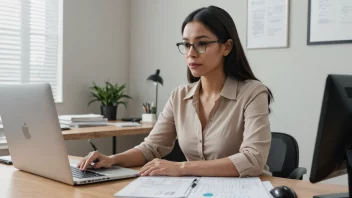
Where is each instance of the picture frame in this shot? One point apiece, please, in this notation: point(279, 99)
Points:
point(329, 22)
point(268, 24)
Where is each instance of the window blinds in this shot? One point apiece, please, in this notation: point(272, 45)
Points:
point(30, 43)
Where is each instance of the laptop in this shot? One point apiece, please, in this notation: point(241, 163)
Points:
point(35, 140)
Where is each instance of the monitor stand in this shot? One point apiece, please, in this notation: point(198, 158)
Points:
point(349, 172)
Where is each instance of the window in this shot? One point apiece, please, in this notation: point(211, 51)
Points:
point(31, 43)
point(2, 135)
point(3, 143)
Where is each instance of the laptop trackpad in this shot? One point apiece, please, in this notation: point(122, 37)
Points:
point(113, 171)
point(116, 171)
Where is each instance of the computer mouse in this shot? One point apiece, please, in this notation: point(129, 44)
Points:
point(283, 192)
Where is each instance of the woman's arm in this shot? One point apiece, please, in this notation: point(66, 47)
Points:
point(130, 158)
point(254, 150)
point(214, 168)
point(157, 144)
point(161, 139)
point(220, 168)
point(252, 155)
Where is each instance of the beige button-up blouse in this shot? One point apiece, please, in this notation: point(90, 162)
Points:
point(238, 127)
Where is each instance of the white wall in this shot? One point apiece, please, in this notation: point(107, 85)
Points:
point(296, 75)
point(95, 48)
point(126, 41)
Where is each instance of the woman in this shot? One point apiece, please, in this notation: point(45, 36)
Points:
point(220, 119)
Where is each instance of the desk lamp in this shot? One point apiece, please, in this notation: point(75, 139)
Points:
point(156, 79)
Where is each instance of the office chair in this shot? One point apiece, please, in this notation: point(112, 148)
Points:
point(176, 154)
point(284, 157)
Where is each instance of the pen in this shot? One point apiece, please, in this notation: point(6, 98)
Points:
point(194, 184)
point(95, 149)
point(144, 108)
point(147, 105)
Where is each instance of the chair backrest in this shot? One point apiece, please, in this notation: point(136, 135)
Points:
point(283, 155)
point(176, 154)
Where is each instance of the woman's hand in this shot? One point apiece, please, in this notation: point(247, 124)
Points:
point(162, 167)
point(104, 161)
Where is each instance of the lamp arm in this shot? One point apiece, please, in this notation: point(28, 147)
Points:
point(156, 102)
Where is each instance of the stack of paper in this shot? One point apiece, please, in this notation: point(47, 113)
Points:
point(83, 120)
point(1, 126)
point(268, 186)
point(195, 187)
point(157, 187)
point(217, 187)
point(125, 124)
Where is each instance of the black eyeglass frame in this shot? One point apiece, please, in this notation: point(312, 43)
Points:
point(206, 43)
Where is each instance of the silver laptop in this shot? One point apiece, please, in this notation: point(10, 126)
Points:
point(35, 139)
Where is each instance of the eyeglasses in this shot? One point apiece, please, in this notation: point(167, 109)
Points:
point(200, 47)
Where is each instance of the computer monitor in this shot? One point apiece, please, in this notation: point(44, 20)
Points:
point(333, 146)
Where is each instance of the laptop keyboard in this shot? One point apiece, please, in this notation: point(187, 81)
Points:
point(83, 174)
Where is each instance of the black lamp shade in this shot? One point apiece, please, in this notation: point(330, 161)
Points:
point(156, 77)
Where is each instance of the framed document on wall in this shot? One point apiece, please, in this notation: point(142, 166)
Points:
point(267, 23)
point(329, 22)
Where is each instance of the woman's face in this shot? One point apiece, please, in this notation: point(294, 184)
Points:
point(205, 62)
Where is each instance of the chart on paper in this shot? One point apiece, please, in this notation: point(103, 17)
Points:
point(171, 187)
point(225, 187)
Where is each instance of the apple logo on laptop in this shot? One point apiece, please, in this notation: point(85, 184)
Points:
point(25, 131)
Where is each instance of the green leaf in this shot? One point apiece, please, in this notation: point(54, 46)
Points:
point(123, 102)
point(109, 94)
point(126, 96)
point(92, 101)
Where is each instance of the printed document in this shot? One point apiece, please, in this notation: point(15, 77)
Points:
point(155, 186)
point(229, 187)
point(207, 187)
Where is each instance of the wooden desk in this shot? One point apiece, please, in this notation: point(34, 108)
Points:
point(15, 184)
point(105, 131)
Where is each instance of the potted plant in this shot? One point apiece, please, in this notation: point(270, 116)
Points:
point(110, 96)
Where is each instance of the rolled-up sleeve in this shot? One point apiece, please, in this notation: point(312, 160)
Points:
point(254, 150)
point(161, 139)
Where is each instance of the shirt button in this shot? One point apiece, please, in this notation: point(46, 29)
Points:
point(200, 141)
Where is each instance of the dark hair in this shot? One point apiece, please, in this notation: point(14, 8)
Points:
point(219, 22)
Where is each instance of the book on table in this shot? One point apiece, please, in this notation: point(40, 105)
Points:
point(82, 120)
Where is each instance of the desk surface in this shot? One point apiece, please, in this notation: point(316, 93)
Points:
point(15, 183)
point(105, 131)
